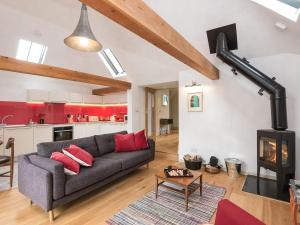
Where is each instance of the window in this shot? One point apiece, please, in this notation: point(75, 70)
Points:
point(112, 63)
point(31, 51)
point(286, 8)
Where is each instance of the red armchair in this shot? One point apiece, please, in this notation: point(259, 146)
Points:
point(230, 214)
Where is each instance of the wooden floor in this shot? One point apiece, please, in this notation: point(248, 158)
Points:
point(168, 143)
point(100, 205)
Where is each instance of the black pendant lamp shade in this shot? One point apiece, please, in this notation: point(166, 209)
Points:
point(82, 38)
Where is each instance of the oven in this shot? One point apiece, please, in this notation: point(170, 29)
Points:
point(62, 133)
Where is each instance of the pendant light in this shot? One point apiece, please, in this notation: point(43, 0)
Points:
point(83, 38)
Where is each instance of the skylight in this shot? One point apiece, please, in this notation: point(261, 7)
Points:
point(286, 8)
point(112, 63)
point(31, 51)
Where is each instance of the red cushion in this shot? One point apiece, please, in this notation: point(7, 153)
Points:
point(71, 167)
point(79, 155)
point(229, 213)
point(140, 140)
point(124, 142)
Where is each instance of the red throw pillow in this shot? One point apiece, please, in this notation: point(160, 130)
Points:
point(140, 140)
point(71, 167)
point(79, 155)
point(124, 142)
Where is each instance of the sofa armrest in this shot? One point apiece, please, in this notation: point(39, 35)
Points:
point(35, 183)
point(151, 144)
point(57, 171)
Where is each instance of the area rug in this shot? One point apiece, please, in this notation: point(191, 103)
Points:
point(169, 208)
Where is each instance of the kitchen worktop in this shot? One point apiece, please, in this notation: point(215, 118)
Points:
point(60, 124)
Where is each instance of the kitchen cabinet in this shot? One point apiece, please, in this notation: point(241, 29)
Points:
point(75, 98)
point(115, 98)
point(42, 134)
point(93, 129)
point(34, 95)
point(23, 139)
point(86, 130)
point(79, 131)
point(107, 128)
point(59, 97)
point(92, 99)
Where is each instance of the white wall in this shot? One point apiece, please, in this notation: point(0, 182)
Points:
point(174, 107)
point(162, 112)
point(136, 108)
point(233, 111)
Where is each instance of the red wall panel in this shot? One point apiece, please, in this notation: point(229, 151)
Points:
point(53, 112)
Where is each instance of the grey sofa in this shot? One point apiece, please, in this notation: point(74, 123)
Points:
point(43, 180)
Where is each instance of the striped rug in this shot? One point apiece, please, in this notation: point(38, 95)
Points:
point(169, 208)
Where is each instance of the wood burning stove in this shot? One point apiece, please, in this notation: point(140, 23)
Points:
point(275, 148)
point(276, 152)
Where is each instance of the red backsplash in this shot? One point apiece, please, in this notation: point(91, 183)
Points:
point(54, 113)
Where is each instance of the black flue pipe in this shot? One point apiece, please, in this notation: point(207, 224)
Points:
point(276, 91)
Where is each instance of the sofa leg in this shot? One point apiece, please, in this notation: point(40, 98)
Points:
point(31, 202)
point(147, 166)
point(51, 215)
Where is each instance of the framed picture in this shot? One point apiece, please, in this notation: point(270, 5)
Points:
point(195, 102)
point(165, 100)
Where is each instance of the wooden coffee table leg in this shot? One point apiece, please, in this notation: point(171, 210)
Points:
point(186, 198)
point(200, 185)
point(156, 188)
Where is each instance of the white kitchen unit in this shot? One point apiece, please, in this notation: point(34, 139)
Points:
point(115, 98)
point(59, 97)
point(92, 99)
point(93, 129)
point(34, 95)
point(75, 98)
point(79, 130)
point(42, 133)
point(23, 138)
point(86, 129)
point(109, 127)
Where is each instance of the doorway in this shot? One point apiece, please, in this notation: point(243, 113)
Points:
point(161, 116)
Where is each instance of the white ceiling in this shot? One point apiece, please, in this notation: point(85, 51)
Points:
point(146, 64)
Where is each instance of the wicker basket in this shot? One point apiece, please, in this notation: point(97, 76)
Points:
point(193, 165)
point(211, 169)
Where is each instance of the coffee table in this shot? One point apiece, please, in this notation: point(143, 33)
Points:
point(188, 185)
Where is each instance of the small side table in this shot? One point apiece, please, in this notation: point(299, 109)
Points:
point(294, 201)
point(188, 184)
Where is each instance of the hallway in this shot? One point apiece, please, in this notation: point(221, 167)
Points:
point(168, 143)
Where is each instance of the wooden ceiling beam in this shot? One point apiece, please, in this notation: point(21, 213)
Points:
point(138, 17)
point(109, 90)
point(19, 66)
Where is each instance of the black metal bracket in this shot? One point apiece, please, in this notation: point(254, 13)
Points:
point(260, 92)
point(233, 70)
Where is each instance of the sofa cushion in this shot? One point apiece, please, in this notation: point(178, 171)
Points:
point(124, 142)
point(102, 168)
point(106, 142)
point(140, 140)
point(129, 159)
point(45, 149)
point(79, 155)
point(71, 167)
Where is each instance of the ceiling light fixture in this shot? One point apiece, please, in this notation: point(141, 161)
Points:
point(82, 38)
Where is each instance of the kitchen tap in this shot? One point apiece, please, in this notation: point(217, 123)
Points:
point(6, 117)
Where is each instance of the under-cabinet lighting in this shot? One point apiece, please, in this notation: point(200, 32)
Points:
point(102, 105)
point(36, 103)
